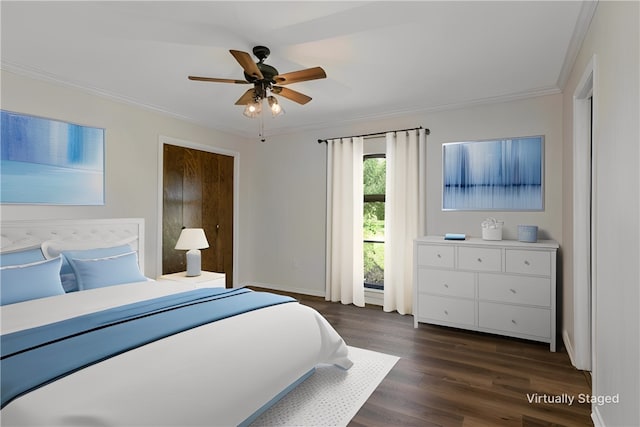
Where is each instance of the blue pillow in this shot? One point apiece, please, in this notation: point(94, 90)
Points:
point(30, 281)
point(26, 256)
point(69, 279)
point(101, 272)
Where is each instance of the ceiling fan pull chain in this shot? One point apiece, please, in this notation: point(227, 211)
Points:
point(262, 137)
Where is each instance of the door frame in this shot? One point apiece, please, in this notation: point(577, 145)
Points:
point(585, 114)
point(162, 139)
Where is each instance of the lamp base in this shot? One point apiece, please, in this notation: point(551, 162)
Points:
point(193, 263)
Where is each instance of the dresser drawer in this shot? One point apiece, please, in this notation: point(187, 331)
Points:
point(528, 262)
point(479, 259)
point(435, 256)
point(515, 289)
point(448, 283)
point(451, 310)
point(515, 319)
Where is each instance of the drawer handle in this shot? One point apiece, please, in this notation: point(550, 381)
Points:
point(479, 259)
point(446, 312)
point(526, 262)
point(439, 256)
point(514, 322)
point(446, 285)
point(513, 291)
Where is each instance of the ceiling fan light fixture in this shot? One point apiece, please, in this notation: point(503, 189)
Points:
point(274, 106)
point(253, 109)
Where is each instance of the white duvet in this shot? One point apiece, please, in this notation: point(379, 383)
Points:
point(214, 375)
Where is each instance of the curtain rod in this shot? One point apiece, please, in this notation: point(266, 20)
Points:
point(426, 131)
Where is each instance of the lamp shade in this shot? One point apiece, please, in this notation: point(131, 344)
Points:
point(253, 109)
point(192, 238)
point(274, 106)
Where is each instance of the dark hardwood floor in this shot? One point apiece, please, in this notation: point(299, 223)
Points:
point(450, 377)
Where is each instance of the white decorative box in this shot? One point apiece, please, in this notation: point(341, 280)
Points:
point(492, 229)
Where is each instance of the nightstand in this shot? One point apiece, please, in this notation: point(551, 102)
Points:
point(207, 279)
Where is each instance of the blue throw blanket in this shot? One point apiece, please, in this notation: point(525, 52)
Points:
point(34, 357)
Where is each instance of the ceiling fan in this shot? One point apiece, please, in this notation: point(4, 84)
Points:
point(266, 78)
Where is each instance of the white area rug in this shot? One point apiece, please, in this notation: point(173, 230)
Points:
point(331, 396)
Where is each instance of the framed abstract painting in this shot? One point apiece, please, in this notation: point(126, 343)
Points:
point(500, 174)
point(50, 162)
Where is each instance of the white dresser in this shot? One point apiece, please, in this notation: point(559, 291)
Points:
point(503, 287)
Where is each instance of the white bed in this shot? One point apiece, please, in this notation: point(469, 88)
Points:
point(219, 374)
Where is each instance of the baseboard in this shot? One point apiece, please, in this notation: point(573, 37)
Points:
point(596, 417)
point(568, 346)
point(374, 297)
point(302, 291)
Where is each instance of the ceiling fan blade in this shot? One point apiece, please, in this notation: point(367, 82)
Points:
point(213, 79)
point(249, 96)
point(245, 60)
point(298, 97)
point(300, 76)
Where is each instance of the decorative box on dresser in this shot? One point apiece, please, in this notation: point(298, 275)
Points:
point(503, 287)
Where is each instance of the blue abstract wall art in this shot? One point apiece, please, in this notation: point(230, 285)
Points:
point(501, 174)
point(45, 161)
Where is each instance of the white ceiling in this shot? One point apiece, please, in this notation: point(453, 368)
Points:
point(381, 58)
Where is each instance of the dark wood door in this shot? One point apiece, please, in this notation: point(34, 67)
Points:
point(197, 193)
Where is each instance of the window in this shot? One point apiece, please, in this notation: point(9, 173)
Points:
point(374, 199)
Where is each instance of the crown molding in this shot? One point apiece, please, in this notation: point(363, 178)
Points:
point(587, 11)
point(39, 74)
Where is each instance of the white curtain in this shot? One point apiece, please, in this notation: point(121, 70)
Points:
point(404, 215)
point(345, 263)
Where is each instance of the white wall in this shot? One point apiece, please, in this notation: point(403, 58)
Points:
point(288, 220)
point(614, 40)
point(131, 158)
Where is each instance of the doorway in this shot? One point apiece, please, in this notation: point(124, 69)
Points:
point(198, 191)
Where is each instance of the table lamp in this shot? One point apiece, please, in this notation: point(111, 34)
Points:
point(192, 240)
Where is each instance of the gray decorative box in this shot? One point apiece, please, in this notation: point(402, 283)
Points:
point(528, 233)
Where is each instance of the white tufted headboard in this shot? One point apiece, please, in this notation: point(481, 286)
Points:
point(18, 234)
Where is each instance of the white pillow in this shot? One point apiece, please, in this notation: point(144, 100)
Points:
point(53, 248)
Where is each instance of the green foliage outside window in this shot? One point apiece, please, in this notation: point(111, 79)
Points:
point(374, 190)
point(375, 175)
